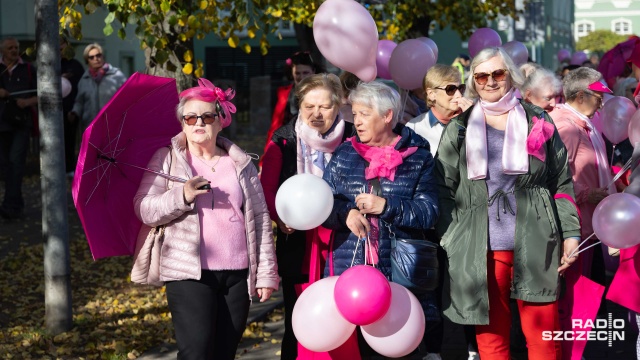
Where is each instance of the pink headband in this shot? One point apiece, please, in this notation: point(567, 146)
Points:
point(208, 92)
point(598, 86)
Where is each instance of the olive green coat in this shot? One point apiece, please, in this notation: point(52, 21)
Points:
point(541, 224)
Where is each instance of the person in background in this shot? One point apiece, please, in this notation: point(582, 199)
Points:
point(374, 198)
point(302, 146)
point(587, 154)
point(218, 247)
point(492, 187)
point(349, 82)
point(528, 68)
point(462, 64)
point(443, 92)
point(623, 151)
point(97, 85)
point(16, 123)
point(541, 88)
point(71, 70)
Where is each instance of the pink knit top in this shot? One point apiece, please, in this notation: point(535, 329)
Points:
point(223, 239)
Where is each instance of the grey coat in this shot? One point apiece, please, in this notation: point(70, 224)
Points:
point(93, 96)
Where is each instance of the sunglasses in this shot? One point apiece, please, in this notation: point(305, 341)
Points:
point(451, 89)
point(192, 119)
point(91, 57)
point(497, 75)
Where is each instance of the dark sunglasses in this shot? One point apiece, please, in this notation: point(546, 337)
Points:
point(192, 119)
point(451, 89)
point(91, 57)
point(497, 75)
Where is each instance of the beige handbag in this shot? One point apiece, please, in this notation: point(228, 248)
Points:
point(146, 259)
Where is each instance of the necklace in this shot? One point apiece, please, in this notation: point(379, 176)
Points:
point(213, 167)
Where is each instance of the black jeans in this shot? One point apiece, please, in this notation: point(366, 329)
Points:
point(210, 314)
point(14, 145)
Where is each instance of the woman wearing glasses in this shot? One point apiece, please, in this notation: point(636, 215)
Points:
point(218, 247)
point(303, 146)
point(96, 86)
point(444, 95)
point(508, 221)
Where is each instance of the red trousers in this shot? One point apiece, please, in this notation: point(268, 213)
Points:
point(493, 339)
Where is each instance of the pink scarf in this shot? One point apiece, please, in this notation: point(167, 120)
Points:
point(98, 74)
point(604, 172)
point(384, 160)
point(314, 149)
point(515, 159)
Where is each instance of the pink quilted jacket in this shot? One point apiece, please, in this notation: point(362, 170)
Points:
point(180, 253)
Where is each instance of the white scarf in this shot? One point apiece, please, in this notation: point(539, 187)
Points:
point(314, 150)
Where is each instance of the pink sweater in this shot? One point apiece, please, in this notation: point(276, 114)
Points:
point(223, 242)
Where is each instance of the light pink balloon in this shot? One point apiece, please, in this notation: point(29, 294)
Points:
point(347, 36)
point(400, 330)
point(616, 114)
point(409, 63)
point(316, 321)
point(615, 220)
point(385, 48)
point(66, 86)
point(563, 55)
point(634, 128)
point(578, 58)
point(517, 52)
point(432, 45)
point(483, 38)
point(362, 294)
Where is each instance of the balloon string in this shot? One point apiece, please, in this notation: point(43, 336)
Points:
point(588, 247)
point(613, 154)
point(583, 241)
point(626, 167)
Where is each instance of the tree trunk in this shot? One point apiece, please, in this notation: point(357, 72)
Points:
point(55, 230)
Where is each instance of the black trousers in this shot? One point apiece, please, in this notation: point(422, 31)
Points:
point(209, 315)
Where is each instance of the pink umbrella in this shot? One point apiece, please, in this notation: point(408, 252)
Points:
point(116, 147)
point(614, 61)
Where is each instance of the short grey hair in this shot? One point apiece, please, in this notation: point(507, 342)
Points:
point(379, 97)
point(85, 53)
point(5, 39)
point(541, 79)
point(514, 74)
point(528, 68)
point(579, 80)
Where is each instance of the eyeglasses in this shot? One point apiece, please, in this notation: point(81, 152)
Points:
point(91, 57)
point(451, 89)
point(192, 119)
point(598, 98)
point(497, 75)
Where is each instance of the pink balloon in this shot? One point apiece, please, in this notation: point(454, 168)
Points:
point(615, 220)
point(409, 63)
point(616, 114)
point(347, 36)
point(385, 48)
point(400, 330)
point(482, 39)
point(316, 321)
point(563, 55)
point(578, 58)
point(66, 86)
point(362, 294)
point(517, 51)
point(634, 128)
point(432, 45)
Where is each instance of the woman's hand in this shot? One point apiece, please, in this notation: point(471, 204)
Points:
point(370, 204)
point(284, 228)
point(190, 189)
point(463, 103)
point(357, 223)
point(570, 245)
point(264, 294)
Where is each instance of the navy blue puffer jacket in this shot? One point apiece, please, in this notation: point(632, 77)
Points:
point(411, 208)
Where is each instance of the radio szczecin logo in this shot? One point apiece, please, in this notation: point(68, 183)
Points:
point(600, 330)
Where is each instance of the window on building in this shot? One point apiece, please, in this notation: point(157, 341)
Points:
point(621, 26)
point(583, 28)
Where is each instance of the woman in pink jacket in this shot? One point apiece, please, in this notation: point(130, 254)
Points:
point(218, 248)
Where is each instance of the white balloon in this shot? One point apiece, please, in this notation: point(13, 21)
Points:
point(66, 87)
point(304, 201)
point(400, 330)
point(316, 320)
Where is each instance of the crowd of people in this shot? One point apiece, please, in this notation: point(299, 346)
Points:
point(500, 166)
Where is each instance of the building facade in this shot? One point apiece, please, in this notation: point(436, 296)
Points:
point(618, 16)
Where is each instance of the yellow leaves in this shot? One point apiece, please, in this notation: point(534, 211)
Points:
point(187, 69)
point(233, 41)
point(188, 56)
point(246, 48)
point(198, 73)
point(203, 4)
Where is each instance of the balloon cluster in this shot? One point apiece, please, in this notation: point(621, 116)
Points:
point(390, 316)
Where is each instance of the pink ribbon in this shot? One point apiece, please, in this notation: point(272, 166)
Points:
point(383, 161)
point(540, 133)
point(223, 97)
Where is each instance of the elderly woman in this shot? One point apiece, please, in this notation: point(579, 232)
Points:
point(303, 146)
point(541, 88)
point(382, 181)
point(508, 222)
point(218, 249)
point(96, 86)
point(443, 92)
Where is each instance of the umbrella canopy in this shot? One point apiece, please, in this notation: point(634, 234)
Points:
point(614, 61)
point(115, 150)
